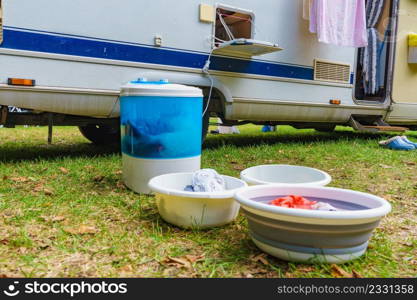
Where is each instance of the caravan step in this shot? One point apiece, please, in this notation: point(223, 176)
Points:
point(388, 128)
point(380, 125)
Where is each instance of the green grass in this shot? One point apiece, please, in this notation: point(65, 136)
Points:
point(64, 210)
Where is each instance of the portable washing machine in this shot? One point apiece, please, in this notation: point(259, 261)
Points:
point(161, 130)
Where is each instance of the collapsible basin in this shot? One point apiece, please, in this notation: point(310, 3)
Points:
point(161, 125)
point(285, 174)
point(194, 209)
point(302, 235)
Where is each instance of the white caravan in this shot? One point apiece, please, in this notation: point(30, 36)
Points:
point(65, 60)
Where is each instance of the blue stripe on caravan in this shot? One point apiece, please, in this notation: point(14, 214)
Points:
point(261, 68)
point(69, 45)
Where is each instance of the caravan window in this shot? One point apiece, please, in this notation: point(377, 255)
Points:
point(232, 24)
point(234, 34)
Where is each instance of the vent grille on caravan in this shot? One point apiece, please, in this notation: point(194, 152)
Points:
point(331, 71)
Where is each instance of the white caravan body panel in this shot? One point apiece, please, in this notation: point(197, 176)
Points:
point(81, 52)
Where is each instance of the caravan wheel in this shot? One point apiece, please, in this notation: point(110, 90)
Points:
point(101, 134)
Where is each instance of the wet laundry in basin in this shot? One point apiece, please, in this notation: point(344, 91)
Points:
point(294, 201)
point(206, 180)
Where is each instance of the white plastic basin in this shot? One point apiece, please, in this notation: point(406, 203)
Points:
point(303, 235)
point(195, 210)
point(285, 174)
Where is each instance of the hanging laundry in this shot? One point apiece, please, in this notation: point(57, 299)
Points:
point(339, 22)
point(371, 56)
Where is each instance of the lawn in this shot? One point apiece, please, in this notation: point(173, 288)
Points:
point(64, 211)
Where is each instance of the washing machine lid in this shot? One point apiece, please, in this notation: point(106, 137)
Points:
point(161, 88)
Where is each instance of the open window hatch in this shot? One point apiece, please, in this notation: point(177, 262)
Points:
point(233, 35)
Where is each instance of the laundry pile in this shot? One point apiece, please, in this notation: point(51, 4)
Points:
point(206, 180)
point(294, 201)
point(399, 143)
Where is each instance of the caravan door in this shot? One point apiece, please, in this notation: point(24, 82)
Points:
point(373, 70)
point(404, 76)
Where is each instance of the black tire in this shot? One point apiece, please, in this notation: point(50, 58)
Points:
point(101, 134)
point(325, 128)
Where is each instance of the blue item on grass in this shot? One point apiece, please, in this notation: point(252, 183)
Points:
point(268, 128)
point(397, 143)
point(405, 139)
